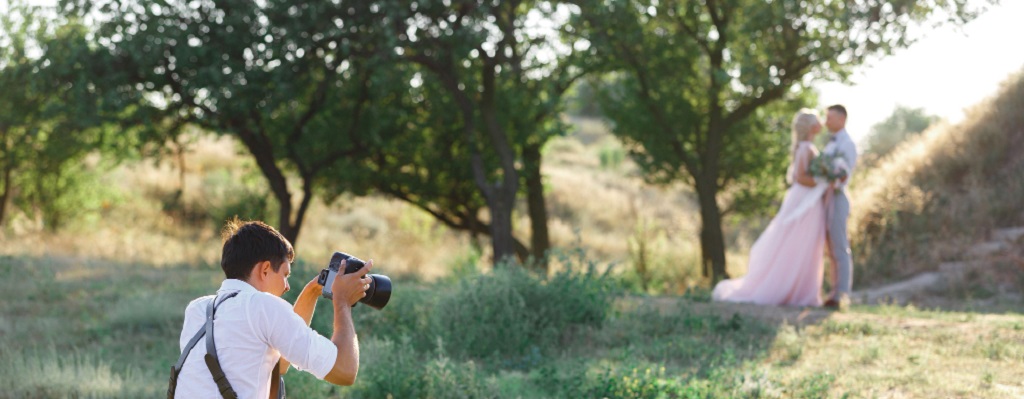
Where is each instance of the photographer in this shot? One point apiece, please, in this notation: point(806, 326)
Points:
point(252, 328)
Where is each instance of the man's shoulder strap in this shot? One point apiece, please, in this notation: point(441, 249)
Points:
point(214, 364)
point(212, 361)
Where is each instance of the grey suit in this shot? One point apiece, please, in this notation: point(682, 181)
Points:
point(842, 258)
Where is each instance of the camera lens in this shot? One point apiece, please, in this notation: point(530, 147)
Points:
point(379, 293)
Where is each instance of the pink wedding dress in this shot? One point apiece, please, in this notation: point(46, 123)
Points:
point(786, 261)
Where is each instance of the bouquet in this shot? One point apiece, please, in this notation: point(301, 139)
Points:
point(831, 167)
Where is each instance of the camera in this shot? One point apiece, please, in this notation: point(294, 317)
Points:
point(377, 296)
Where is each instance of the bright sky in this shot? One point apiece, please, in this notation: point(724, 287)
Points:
point(944, 73)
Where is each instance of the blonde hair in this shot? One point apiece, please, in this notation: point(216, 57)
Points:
point(803, 122)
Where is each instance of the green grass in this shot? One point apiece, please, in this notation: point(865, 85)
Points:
point(75, 328)
point(81, 328)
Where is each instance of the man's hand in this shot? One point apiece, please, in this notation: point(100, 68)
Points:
point(313, 288)
point(352, 287)
point(348, 289)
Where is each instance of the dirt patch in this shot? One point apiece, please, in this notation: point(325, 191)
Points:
point(988, 277)
point(796, 316)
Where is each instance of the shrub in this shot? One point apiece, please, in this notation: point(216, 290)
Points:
point(63, 196)
point(660, 265)
point(634, 383)
point(611, 156)
point(409, 316)
point(511, 310)
point(227, 195)
point(396, 369)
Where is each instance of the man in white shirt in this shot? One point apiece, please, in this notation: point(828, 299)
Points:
point(254, 329)
point(840, 143)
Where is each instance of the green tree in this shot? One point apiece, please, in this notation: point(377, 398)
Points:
point(309, 91)
point(506, 82)
point(51, 113)
point(426, 165)
point(20, 103)
point(698, 77)
point(297, 84)
point(885, 136)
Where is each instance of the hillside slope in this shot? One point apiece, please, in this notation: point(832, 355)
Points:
point(943, 192)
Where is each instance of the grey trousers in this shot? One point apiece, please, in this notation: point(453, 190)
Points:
point(842, 259)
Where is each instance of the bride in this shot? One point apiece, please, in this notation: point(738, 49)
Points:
point(786, 263)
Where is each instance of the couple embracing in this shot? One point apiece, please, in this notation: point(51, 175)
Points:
point(786, 264)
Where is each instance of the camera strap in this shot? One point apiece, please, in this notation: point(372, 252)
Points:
point(276, 382)
point(212, 361)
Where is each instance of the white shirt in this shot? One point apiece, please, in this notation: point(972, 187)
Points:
point(252, 331)
point(844, 145)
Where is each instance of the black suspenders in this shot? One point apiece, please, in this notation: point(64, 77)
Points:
point(212, 361)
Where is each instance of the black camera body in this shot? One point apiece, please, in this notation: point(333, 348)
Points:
point(377, 296)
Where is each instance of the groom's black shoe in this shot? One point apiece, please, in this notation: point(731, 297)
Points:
point(839, 303)
point(831, 304)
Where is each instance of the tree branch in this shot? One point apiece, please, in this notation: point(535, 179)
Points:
point(179, 89)
point(693, 34)
point(774, 93)
point(645, 92)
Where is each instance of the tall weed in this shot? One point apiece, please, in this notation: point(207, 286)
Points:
point(47, 373)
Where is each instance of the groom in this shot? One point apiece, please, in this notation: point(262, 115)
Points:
point(839, 247)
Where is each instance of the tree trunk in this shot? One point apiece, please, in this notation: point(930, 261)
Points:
point(180, 154)
point(262, 151)
point(307, 197)
point(500, 196)
point(712, 241)
point(5, 197)
point(284, 216)
point(8, 168)
point(540, 241)
point(502, 241)
point(503, 194)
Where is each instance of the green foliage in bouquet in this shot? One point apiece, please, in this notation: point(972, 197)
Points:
point(827, 166)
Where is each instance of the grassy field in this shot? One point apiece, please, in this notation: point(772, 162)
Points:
point(81, 328)
point(95, 309)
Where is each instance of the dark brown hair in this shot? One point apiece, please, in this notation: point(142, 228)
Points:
point(247, 243)
point(838, 108)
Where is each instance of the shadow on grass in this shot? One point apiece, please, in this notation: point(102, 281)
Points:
point(647, 348)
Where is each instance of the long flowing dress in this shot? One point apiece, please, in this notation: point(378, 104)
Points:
point(786, 262)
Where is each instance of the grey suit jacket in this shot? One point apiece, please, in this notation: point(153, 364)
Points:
point(841, 143)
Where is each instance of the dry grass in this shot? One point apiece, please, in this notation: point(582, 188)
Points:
point(50, 373)
point(942, 190)
point(895, 353)
point(601, 207)
point(141, 228)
